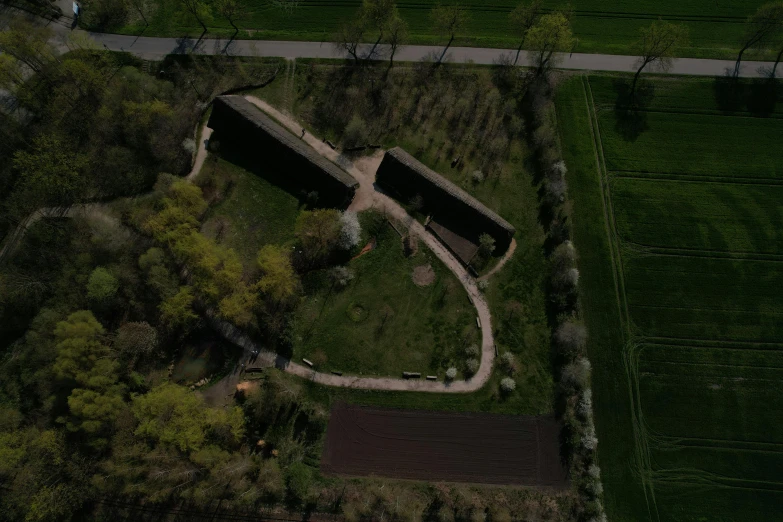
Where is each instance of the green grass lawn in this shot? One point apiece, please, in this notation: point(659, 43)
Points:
point(381, 323)
point(600, 26)
point(692, 348)
point(252, 213)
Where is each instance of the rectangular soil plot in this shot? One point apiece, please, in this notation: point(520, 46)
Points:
point(458, 447)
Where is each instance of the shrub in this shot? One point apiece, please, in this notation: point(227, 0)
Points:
point(585, 407)
point(355, 132)
point(577, 373)
point(351, 232)
point(472, 366)
point(589, 440)
point(486, 244)
point(102, 285)
point(341, 276)
point(451, 373)
point(508, 384)
point(477, 176)
point(571, 336)
point(594, 471)
point(472, 350)
point(564, 256)
point(483, 285)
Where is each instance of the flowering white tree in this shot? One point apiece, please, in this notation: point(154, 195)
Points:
point(508, 384)
point(451, 373)
point(351, 232)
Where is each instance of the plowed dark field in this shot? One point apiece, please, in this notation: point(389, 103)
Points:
point(425, 445)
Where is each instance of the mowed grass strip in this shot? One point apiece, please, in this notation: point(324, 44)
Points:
point(726, 217)
point(254, 211)
point(382, 323)
point(705, 298)
point(697, 144)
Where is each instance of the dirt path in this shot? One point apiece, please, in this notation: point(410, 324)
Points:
point(509, 252)
point(369, 197)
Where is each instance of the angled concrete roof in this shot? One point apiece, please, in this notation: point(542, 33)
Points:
point(269, 126)
point(447, 186)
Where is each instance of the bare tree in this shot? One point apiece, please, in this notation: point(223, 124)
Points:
point(657, 45)
point(349, 38)
point(199, 9)
point(764, 25)
point(521, 19)
point(449, 20)
point(397, 35)
point(231, 10)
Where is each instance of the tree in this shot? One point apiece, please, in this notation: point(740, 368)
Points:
point(764, 25)
point(396, 36)
point(486, 244)
point(51, 174)
point(278, 279)
point(577, 373)
point(318, 231)
point(551, 34)
point(231, 10)
point(521, 19)
point(376, 15)
point(349, 37)
point(449, 20)
point(451, 374)
point(238, 306)
point(102, 285)
point(78, 346)
point(657, 45)
point(199, 9)
point(28, 43)
point(177, 312)
point(351, 232)
point(136, 339)
point(173, 416)
point(298, 477)
point(92, 411)
point(472, 366)
point(571, 336)
point(140, 6)
point(507, 385)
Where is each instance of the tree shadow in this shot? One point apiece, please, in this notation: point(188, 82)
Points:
point(757, 96)
point(630, 108)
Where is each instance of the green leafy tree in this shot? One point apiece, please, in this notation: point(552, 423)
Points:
point(198, 9)
point(177, 312)
point(51, 173)
point(173, 416)
point(93, 411)
point(298, 477)
point(486, 244)
point(449, 21)
point(550, 35)
point(318, 232)
point(657, 46)
point(396, 36)
point(102, 285)
point(376, 15)
point(238, 306)
point(78, 346)
point(522, 19)
point(278, 279)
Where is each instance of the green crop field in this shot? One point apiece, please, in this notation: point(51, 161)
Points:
point(677, 219)
point(608, 27)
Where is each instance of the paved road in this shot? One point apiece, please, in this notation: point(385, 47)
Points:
point(156, 48)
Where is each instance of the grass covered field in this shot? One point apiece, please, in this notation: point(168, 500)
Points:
point(677, 222)
point(382, 323)
point(606, 27)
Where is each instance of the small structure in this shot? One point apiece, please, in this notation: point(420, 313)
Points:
point(458, 219)
point(258, 141)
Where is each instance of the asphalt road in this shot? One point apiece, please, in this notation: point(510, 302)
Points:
point(155, 48)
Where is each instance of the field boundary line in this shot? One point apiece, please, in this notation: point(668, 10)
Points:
point(682, 177)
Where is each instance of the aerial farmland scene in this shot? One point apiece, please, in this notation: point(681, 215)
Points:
point(378, 260)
